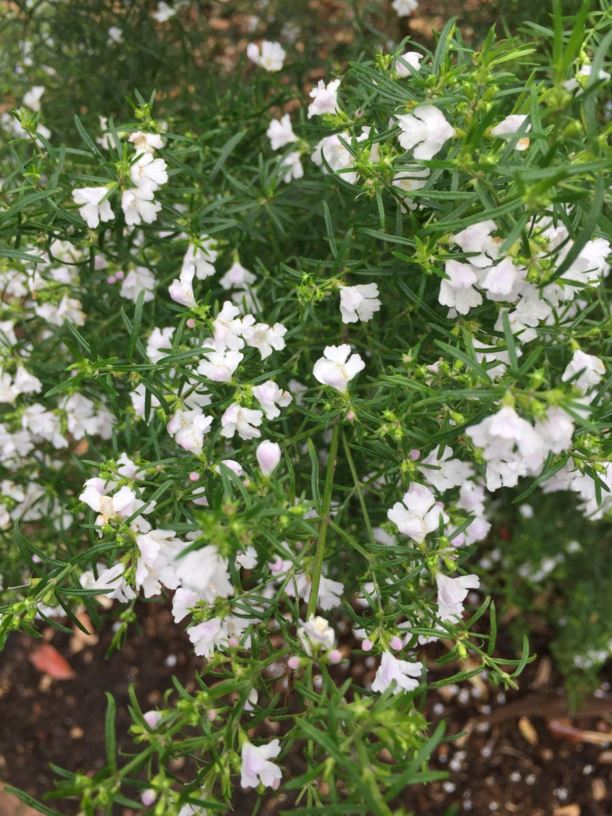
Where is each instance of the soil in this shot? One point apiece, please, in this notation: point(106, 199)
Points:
point(517, 753)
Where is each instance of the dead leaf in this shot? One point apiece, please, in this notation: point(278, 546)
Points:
point(605, 758)
point(527, 730)
point(49, 661)
point(563, 729)
point(567, 810)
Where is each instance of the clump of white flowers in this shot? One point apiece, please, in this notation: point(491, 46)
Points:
point(286, 361)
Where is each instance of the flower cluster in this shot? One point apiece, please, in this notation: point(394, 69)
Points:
point(288, 379)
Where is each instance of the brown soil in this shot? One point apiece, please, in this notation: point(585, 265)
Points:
point(520, 753)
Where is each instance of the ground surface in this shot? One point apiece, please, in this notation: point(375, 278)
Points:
point(518, 755)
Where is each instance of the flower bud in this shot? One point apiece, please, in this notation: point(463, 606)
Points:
point(268, 456)
point(148, 797)
point(152, 718)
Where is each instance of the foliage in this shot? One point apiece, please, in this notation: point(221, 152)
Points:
point(173, 277)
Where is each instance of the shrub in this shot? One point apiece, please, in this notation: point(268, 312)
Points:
point(286, 369)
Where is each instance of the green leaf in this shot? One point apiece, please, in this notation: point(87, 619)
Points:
point(109, 732)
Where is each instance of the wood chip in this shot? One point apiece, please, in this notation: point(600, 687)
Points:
point(543, 674)
point(80, 640)
point(527, 730)
point(598, 790)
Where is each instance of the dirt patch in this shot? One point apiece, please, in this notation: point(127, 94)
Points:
point(515, 753)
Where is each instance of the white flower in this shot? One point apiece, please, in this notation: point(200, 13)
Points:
point(121, 504)
point(200, 258)
point(280, 132)
point(317, 633)
point(111, 578)
point(584, 72)
point(501, 282)
point(329, 595)
point(232, 465)
point(511, 125)
point(452, 592)
point(148, 173)
point(324, 98)
point(359, 302)
point(291, 164)
point(237, 277)
point(271, 55)
point(43, 424)
point(331, 151)
point(476, 240)
point(511, 447)
point(219, 365)
point(228, 328)
point(256, 766)
point(188, 429)
point(269, 395)
point(402, 673)
point(245, 421)
point(56, 313)
point(410, 179)
point(590, 370)
point(32, 98)
point(83, 419)
point(248, 558)
point(138, 206)
point(444, 472)
point(138, 400)
point(205, 572)
point(426, 130)
point(457, 289)
point(418, 514)
point(555, 430)
point(189, 809)
point(93, 209)
point(207, 636)
point(263, 337)
point(591, 265)
point(159, 343)
point(163, 12)
point(126, 467)
point(183, 602)
point(404, 8)
point(146, 142)
point(181, 289)
point(136, 281)
point(157, 563)
point(410, 58)
point(332, 154)
point(268, 456)
point(337, 367)
point(22, 383)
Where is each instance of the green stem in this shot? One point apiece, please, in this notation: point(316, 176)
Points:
point(327, 497)
point(364, 512)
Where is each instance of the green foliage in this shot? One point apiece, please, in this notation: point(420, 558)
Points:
point(86, 301)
